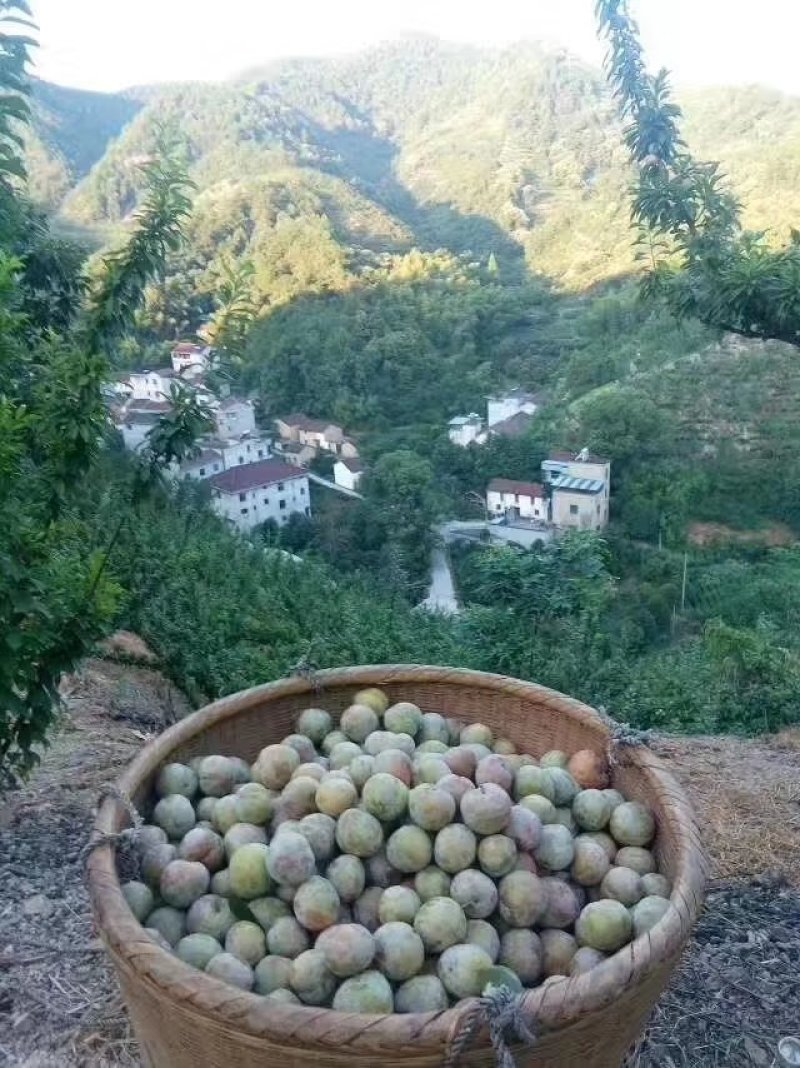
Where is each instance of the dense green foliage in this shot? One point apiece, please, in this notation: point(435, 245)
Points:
point(225, 613)
point(603, 621)
point(55, 594)
point(374, 348)
point(701, 261)
point(70, 132)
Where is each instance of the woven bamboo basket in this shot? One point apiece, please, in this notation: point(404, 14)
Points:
point(184, 1018)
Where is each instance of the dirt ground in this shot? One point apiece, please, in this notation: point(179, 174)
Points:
point(735, 995)
point(778, 534)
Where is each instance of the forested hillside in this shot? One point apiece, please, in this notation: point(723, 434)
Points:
point(437, 145)
point(417, 202)
point(71, 132)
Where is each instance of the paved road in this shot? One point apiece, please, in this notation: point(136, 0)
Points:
point(442, 593)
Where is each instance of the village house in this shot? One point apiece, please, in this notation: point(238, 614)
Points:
point(463, 430)
point(234, 417)
point(234, 442)
point(580, 489)
point(150, 385)
point(294, 452)
point(580, 503)
point(347, 473)
point(583, 464)
point(256, 492)
point(502, 406)
point(513, 427)
point(187, 356)
point(516, 500)
point(318, 433)
point(221, 454)
point(575, 495)
point(206, 463)
point(136, 419)
point(347, 449)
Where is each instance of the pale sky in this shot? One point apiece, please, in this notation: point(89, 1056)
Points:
point(111, 44)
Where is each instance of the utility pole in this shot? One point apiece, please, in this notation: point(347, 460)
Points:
point(683, 584)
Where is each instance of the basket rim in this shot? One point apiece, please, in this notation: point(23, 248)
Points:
point(551, 1007)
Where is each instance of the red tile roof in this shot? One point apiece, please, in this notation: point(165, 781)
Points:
point(524, 489)
point(187, 348)
point(351, 464)
point(253, 476)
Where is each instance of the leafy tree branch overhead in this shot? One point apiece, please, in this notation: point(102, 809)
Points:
point(700, 260)
point(55, 595)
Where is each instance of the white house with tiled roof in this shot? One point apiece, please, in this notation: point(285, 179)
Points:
point(187, 355)
point(574, 496)
point(316, 433)
point(136, 418)
point(516, 500)
point(502, 406)
point(347, 472)
point(151, 385)
point(235, 416)
point(254, 493)
point(463, 430)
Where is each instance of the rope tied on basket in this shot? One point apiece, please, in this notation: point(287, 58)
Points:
point(127, 837)
point(307, 669)
point(502, 1011)
point(623, 735)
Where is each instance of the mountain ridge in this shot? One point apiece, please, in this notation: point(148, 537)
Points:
point(441, 136)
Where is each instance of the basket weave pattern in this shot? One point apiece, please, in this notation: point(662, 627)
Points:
point(184, 1018)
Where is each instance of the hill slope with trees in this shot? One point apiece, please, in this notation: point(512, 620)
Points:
point(515, 151)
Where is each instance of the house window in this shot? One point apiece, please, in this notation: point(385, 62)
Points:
point(280, 486)
point(260, 453)
point(202, 472)
point(573, 509)
point(241, 459)
point(308, 511)
point(216, 467)
point(242, 496)
point(302, 490)
point(266, 500)
point(243, 511)
point(281, 504)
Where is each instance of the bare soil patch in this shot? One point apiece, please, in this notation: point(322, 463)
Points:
point(776, 535)
point(735, 995)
